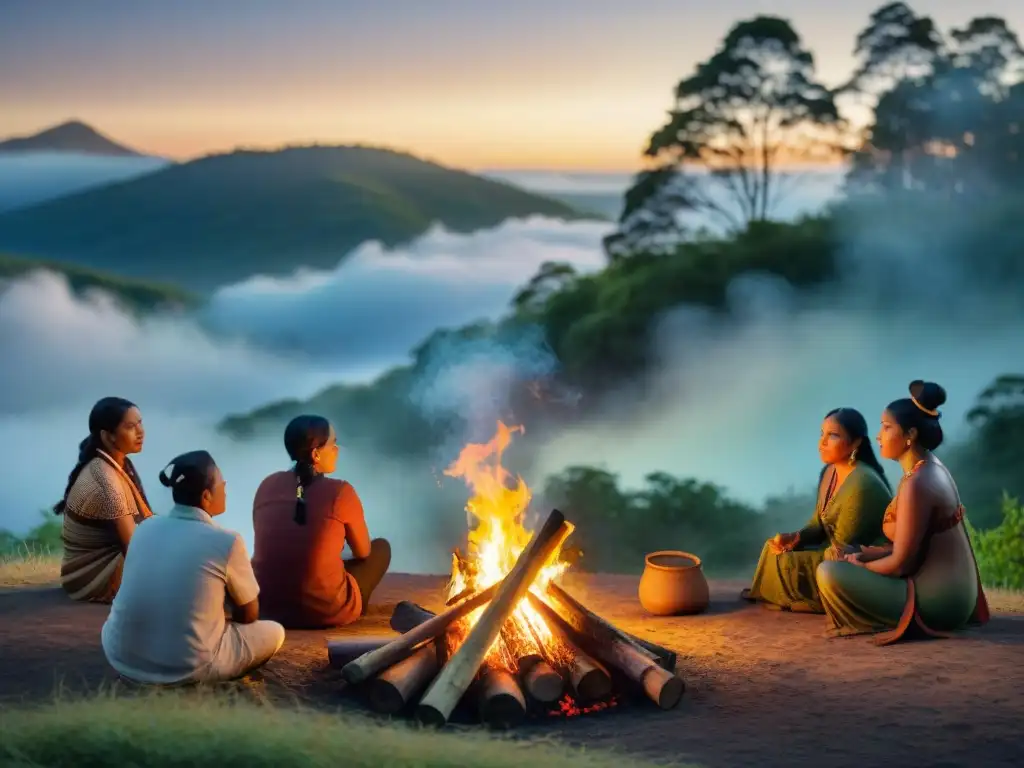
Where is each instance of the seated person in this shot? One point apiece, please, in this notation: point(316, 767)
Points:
point(852, 496)
point(103, 502)
point(302, 520)
point(167, 625)
point(927, 577)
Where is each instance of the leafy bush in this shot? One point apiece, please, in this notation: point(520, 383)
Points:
point(1000, 550)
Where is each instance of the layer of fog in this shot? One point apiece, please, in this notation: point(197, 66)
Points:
point(27, 178)
point(738, 403)
point(798, 192)
point(62, 352)
point(376, 305)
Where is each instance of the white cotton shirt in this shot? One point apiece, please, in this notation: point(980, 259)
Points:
point(167, 620)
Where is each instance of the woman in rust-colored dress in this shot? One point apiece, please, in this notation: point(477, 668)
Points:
point(302, 521)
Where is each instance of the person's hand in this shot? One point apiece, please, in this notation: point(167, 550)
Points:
point(855, 558)
point(783, 542)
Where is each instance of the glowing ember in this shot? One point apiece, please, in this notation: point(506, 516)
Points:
point(567, 707)
point(496, 539)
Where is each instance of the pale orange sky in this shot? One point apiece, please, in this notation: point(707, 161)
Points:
point(561, 84)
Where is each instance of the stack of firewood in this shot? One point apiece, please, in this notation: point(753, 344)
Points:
point(423, 665)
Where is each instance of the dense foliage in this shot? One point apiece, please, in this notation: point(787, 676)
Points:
point(1000, 550)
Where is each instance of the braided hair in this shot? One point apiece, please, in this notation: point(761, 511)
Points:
point(303, 435)
point(105, 416)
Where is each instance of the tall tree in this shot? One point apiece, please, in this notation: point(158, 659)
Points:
point(649, 221)
point(896, 45)
point(941, 105)
point(752, 106)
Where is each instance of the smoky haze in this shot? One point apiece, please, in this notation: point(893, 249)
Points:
point(737, 402)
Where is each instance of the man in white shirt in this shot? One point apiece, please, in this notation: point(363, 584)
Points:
point(167, 624)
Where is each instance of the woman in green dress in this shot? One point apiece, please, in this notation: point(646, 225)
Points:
point(926, 578)
point(852, 497)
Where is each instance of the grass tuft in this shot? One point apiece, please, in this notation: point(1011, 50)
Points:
point(171, 729)
point(27, 568)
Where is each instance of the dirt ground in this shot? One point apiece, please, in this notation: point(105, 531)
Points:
point(763, 688)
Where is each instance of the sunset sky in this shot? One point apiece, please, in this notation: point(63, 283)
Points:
point(558, 84)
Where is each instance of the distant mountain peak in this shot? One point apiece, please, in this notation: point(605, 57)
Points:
point(70, 136)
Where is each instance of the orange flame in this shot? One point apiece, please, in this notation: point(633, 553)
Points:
point(497, 507)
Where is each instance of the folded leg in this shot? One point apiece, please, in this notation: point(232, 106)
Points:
point(244, 648)
point(368, 571)
point(859, 601)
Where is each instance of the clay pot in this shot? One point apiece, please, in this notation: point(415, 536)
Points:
point(673, 583)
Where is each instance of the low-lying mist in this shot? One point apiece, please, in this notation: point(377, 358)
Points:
point(734, 401)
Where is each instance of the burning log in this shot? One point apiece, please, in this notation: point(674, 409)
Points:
point(661, 686)
point(589, 679)
point(451, 683)
point(502, 704)
point(536, 676)
point(369, 664)
point(583, 620)
point(540, 679)
point(396, 686)
point(341, 652)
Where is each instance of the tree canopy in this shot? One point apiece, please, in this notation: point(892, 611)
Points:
point(753, 104)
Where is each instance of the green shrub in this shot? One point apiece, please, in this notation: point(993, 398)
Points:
point(44, 539)
point(1000, 550)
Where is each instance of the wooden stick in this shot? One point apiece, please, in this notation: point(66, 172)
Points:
point(584, 620)
point(343, 650)
point(589, 679)
point(661, 686)
point(369, 664)
point(408, 615)
point(451, 683)
point(502, 705)
point(396, 686)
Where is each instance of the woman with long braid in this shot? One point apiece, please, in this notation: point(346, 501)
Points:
point(103, 502)
point(302, 520)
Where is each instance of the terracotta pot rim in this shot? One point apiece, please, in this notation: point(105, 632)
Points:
point(672, 552)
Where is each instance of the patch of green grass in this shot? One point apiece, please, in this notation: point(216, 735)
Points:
point(176, 729)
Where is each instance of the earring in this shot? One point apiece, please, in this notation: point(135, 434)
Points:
point(853, 456)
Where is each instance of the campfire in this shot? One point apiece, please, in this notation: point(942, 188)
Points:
point(510, 640)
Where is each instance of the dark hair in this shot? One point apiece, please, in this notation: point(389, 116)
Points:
point(913, 412)
point(303, 435)
point(188, 476)
point(856, 427)
point(105, 416)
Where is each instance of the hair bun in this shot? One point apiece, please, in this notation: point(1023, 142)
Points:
point(165, 479)
point(928, 393)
